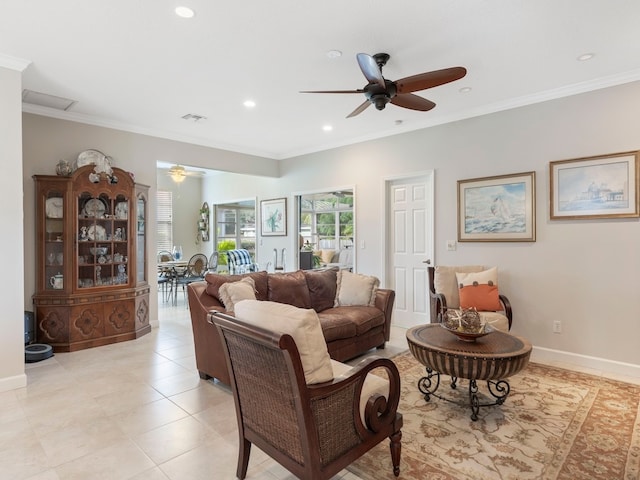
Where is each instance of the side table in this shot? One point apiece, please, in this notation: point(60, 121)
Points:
point(493, 358)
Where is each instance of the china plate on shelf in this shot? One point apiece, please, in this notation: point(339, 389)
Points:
point(121, 210)
point(53, 207)
point(94, 207)
point(97, 233)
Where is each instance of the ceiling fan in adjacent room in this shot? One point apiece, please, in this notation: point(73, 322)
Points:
point(380, 91)
point(178, 173)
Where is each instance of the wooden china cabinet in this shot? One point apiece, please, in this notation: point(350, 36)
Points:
point(91, 259)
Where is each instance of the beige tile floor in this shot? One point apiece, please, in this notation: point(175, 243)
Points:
point(135, 410)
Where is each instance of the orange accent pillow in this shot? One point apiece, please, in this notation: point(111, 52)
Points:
point(479, 290)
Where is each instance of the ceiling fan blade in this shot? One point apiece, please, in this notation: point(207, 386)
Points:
point(422, 81)
point(360, 109)
point(370, 69)
point(413, 102)
point(332, 91)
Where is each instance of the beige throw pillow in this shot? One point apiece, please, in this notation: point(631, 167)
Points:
point(355, 289)
point(233, 292)
point(302, 324)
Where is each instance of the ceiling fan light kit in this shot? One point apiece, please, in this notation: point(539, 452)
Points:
point(380, 91)
point(177, 173)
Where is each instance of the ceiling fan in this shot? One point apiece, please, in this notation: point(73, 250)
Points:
point(380, 91)
point(178, 173)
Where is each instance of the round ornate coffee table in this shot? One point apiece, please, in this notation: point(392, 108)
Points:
point(493, 358)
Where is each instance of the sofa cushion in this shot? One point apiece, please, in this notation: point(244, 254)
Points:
point(355, 289)
point(290, 288)
point(348, 322)
point(322, 287)
point(302, 324)
point(233, 292)
point(326, 256)
point(479, 290)
point(214, 280)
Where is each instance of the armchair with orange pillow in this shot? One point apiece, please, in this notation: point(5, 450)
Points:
point(469, 286)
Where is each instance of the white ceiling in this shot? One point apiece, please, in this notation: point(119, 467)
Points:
point(134, 65)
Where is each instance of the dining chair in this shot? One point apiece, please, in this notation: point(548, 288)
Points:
point(165, 277)
point(212, 266)
point(194, 272)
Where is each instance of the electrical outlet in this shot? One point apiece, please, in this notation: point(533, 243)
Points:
point(557, 326)
point(451, 245)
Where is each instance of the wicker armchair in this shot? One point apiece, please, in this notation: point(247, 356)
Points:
point(314, 431)
point(443, 295)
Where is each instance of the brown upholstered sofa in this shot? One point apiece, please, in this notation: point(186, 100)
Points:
point(348, 330)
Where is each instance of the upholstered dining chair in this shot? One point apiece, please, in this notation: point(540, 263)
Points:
point(447, 286)
point(240, 261)
point(313, 430)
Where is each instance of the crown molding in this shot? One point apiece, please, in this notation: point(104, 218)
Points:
point(14, 63)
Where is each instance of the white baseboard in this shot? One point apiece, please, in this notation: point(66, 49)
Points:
point(11, 383)
point(595, 365)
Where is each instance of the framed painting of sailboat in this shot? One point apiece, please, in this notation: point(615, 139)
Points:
point(497, 209)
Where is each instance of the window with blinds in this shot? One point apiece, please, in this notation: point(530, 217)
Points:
point(164, 215)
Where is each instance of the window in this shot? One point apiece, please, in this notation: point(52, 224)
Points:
point(236, 227)
point(164, 227)
point(326, 220)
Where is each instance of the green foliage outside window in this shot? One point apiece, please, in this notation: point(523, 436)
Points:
point(223, 246)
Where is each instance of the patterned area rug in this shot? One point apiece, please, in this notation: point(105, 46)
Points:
point(555, 425)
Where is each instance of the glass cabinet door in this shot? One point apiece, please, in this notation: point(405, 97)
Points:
point(141, 240)
point(102, 243)
point(54, 244)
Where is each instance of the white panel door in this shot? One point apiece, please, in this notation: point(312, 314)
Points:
point(410, 207)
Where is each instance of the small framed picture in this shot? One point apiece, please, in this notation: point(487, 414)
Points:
point(497, 209)
point(595, 187)
point(273, 215)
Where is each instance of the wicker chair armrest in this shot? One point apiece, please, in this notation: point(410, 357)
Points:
point(440, 303)
point(379, 411)
point(507, 308)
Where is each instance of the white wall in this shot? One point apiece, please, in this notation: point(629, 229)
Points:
point(582, 273)
point(186, 212)
point(11, 241)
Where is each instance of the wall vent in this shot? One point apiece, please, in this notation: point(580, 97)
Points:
point(46, 100)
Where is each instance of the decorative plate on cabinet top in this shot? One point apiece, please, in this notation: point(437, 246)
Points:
point(92, 157)
point(95, 208)
point(53, 207)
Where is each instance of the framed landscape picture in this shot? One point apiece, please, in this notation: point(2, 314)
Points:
point(497, 209)
point(595, 187)
point(273, 217)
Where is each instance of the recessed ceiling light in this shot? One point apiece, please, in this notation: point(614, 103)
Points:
point(465, 90)
point(184, 12)
point(249, 103)
point(334, 53)
point(327, 128)
point(585, 57)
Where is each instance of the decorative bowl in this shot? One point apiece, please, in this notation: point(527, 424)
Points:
point(98, 250)
point(467, 336)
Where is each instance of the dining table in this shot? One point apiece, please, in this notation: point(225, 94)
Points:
point(172, 269)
